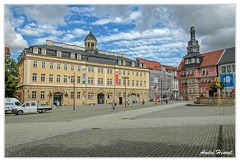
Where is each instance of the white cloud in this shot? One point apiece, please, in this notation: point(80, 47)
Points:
point(119, 20)
point(49, 14)
point(13, 39)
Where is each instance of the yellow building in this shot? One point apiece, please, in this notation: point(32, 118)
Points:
point(69, 74)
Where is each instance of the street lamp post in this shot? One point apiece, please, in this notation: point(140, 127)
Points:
point(161, 92)
point(125, 89)
point(74, 91)
point(73, 80)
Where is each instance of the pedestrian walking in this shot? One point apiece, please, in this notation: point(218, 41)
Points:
point(127, 102)
point(113, 105)
point(143, 102)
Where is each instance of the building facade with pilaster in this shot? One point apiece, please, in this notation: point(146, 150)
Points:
point(74, 75)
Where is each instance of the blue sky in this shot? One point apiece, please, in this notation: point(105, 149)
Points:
point(156, 32)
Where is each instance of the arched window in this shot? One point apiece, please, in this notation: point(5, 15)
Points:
point(79, 56)
point(193, 60)
point(72, 56)
point(186, 61)
point(35, 50)
point(198, 60)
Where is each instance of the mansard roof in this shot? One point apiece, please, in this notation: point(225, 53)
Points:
point(92, 56)
point(228, 56)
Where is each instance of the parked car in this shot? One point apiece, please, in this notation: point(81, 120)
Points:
point(10, 103)
point(31, 107)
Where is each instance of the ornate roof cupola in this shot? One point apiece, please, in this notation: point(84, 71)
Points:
point(90, 42)
point(193, 58)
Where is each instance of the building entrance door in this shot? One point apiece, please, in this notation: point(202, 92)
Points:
point(120, 100)
point(58, 99)
point(100, 98)
point(133, 98)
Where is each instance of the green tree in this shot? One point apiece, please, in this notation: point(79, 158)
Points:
point(11, 77)
point(214, 87)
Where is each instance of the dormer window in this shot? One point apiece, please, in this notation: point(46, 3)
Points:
point(35, 50)
point(79, 56)
point(186, 61)
point(193, 60)
point(43, 51)
point(198, 60)
point(72, 55)
point(119, 62)
point(59, 53)
point(124, 62)
point(133, 64)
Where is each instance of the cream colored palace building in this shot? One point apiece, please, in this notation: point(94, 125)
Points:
point(68, 74)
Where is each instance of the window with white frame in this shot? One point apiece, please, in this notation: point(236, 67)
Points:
point(72, 67)
point(72, 95)
point(186, 61)
point(119, 81)
point(90, 69)
point(42, 94)
point(50, 77)
point(109, 71)
point(72, 55)
point(42, 77)
point(100, 80)
point(65, 78)
point(144, 84)
point(34, 94)
point(58, 66)
point(79, 56)
point(100, 70)
point(132, 82)
point(79, 68)
point(43, 51)
point(78, 79)
point(128, 82)
point(59, 53)
point(51, 65)
point(34, 77)
point(193, 60)
point(43, 64)
point(90, 95)
point(34, 63)
point(140, 83)
point(109, 95)
point(65, 66)
point(35, 50)
point(90, 80)
point(58, 78)
point(78, 95)
point(109, 81)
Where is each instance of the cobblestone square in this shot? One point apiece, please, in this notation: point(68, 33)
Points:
point(165, 130)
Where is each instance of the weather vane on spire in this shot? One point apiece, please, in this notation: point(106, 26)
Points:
point(192, 20)
point(90, 28)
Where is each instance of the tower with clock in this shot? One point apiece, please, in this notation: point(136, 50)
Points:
point(193, 58)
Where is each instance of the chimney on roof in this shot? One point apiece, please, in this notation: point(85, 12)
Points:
point(49, 42)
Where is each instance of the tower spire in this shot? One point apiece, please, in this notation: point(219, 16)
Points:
point(192, 20)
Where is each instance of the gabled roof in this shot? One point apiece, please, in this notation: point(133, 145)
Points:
point(181, 65)
point(228, 56)
point(209, 59)
point(150, 64)
point(169, 68)
point(7, 51)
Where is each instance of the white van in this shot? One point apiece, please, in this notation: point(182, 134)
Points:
point(10, 103)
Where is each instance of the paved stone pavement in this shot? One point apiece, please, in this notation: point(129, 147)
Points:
point(170, 130)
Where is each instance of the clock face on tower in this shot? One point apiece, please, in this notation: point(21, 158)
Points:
point(189, 49)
